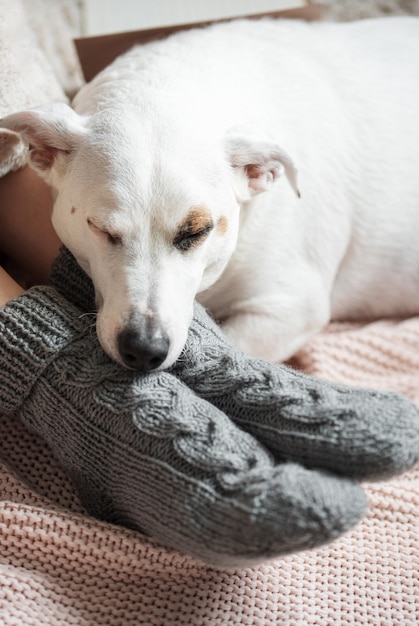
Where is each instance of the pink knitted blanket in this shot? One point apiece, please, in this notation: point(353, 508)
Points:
point(59, 567)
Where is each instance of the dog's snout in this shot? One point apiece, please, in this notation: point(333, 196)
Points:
point(142, 344)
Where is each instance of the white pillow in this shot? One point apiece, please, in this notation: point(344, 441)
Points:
point(26, 78)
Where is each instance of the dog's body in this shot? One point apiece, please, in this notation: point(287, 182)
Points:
point(159, 175)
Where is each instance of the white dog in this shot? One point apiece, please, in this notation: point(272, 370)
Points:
point(159, 172)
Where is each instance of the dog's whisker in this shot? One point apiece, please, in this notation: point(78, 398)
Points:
point(88, 314)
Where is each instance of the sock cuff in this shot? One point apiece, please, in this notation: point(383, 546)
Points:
point(72, 282)
point(34, 327)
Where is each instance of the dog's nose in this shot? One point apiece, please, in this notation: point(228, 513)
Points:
point(142, 344)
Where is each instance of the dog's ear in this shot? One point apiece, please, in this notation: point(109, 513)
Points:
point(12, 151)
point(258, 162)
point(49, 131)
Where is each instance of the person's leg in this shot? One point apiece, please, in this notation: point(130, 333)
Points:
point(26, 232)
point(8, 287)
point(361, 433)
point(354, 432)
point(146, 452)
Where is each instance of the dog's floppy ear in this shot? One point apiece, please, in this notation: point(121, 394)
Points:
point(48, 131)
point(259, 161)
point(12, 151)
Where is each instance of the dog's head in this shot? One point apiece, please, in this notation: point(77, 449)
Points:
point(150, 214)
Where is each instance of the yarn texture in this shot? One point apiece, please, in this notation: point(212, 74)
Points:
point(224, 457)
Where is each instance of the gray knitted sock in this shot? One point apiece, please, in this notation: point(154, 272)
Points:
point(146, 452)
point(72, 282)
point(355, 432)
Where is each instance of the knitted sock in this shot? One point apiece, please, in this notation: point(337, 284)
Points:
point(360, 433)
point(146, 452)
point(72, 282)
point(355, 432)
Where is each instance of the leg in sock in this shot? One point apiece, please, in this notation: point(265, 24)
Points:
point(355, 432)
point(146, 452)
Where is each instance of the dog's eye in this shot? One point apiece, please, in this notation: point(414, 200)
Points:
point(185, 240)
point(114, 240)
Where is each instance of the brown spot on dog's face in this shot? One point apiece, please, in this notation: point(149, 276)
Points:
point(197, 219)
point(73, 210)
point(222, 225)
point(193, 229)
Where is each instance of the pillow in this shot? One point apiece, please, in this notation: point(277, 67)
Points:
point(26, 78)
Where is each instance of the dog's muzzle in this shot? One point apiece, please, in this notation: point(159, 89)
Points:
point(142, 343)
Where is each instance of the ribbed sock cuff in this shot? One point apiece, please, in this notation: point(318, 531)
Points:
point(34, 327)
point(72, 282)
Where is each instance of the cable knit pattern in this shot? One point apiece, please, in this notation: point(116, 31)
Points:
point(147, 453)
point(358, 432)
point(355, 432)
point(58, 567)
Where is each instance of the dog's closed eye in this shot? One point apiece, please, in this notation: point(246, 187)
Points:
point(193, 230)
point(186, 240)
point(111, 238)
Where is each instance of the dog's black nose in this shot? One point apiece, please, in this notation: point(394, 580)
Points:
point(142, 345)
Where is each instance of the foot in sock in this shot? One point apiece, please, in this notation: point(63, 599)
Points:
point(355, 432)
point(360, 433)
point(147, 453)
